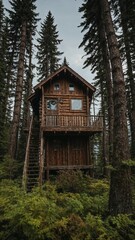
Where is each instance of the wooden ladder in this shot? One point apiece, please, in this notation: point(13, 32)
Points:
point(31, 164)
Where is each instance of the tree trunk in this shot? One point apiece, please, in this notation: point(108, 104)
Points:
point(120, 186)
point(131, 99)
point(104, 135)
point(18, 95)
point(25, 112)
point(109, 88)
point(29, 90)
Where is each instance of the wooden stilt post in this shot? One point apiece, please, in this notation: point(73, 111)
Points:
point(47, 161)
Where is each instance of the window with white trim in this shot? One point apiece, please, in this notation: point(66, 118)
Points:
point(76, 104)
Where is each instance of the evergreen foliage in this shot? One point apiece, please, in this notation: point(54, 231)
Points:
point(48, 213)
point(124, 16)
point(98, 16)
point(97, 58)
point(22, 19)
point(5, 114)
point(65, 62)
point(48, 54)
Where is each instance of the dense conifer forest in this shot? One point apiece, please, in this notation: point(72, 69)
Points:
point(71, 205)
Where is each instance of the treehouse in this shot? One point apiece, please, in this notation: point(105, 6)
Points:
point(61, 126)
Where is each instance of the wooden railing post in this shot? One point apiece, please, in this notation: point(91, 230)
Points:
point(76, 121)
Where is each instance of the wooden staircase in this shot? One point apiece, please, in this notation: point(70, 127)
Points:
point(31, 165)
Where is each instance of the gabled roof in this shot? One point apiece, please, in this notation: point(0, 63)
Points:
point(65, 69)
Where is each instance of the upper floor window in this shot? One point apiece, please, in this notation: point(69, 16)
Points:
point(76, 104)
point(56, 86)
point(71, 87)
point(52, 104)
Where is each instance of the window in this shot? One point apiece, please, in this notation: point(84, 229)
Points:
point(76, 104)
point(56, 86)
point(52, 104)
point(71, 87)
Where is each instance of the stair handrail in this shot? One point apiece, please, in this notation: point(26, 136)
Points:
point(24, 178)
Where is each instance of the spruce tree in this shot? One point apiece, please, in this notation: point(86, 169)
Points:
point(4, 105)
point(125, 16)
point(96, 12)
point(23, 19)
point(2, 81)
point(48, 54)
point(65, 62)
point(97, 57)
point(120, 200)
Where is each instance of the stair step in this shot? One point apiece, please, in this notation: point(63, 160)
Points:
point(33, 149)
point(32, 180)
point(29, 180)
point(33, 170)
point(33, 161)
point(32, 164)
point(33, 177)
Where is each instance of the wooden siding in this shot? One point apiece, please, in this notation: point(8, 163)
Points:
point(64, 118)
point(66, 151)
point(64, 87)
point(64, 96)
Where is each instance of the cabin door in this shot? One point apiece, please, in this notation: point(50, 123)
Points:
point(52, 110)
point(57, 151)
point(66, 151)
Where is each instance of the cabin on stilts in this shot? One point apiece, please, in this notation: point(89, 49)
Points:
point(60, 128)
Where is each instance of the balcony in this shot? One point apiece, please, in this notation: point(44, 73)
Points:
point(74, 123)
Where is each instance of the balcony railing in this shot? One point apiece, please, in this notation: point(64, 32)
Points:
point(74, 122)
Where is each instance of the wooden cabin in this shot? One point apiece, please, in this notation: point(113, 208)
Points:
point(61, 126)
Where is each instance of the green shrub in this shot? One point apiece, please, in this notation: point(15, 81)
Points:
point(121, 227)
point(71, 181)
point(48, 214)
point(10, 168)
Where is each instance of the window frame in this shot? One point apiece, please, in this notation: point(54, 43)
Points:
point(71, 87)
point(55, 86)
point(76, 109)
point(53, 100)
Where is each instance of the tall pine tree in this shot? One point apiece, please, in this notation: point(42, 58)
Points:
point(125, 16)
point(4, 86)
point(96, 49)
point(48, 54)
point(23, 19)
point(120, 191)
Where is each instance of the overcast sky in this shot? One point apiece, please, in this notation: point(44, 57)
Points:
point(67, 19)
